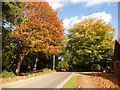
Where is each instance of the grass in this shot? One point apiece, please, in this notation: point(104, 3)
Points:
point(7, 74)
point(15, 78)
point(71, 83)
point(43, 72)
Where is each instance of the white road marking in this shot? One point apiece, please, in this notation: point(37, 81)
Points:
point(65, 81)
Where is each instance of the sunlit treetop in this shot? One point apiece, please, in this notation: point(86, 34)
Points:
point(41, 29)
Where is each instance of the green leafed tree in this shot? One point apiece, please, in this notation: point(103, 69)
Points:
point(11, 12)
point(11, 15)
point(9, 51)
point(91, 42)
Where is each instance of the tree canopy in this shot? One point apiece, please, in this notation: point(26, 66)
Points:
point(41, 29)
point(32, 33)
point(31, 27)
point(91, 42)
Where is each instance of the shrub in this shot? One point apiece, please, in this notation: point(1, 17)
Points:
point(7, 74)
point(46, 70)
point(63, 66)
point(107, 69)
point(96, 67)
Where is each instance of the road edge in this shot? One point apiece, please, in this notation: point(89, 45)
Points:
point(65, 81)
point(27, 79)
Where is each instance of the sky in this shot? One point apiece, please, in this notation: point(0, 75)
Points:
point(73, 11)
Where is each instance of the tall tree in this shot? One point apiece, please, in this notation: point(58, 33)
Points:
point(41, 30)
point(65, 55)
point(11, 14)
point(91, 42)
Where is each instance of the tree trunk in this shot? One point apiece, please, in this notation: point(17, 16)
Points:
point(35, 65)
point(53, 62)
point(19, 64)
point(20, 60)
point(28, 69)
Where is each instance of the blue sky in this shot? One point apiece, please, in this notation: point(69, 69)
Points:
point(75, 10)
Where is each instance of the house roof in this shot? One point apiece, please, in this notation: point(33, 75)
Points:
point(118, 40)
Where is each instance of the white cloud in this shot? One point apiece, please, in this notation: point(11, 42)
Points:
point(93, 3)
point(60, 3)
point(100, 15)
point(56, 3)
point(76, 1)
point(90, 3)
point(69, 22)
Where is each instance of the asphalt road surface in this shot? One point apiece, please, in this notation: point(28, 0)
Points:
point(48, 81)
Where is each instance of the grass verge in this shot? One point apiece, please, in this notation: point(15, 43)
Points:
point(16, 78)
point(71, 83)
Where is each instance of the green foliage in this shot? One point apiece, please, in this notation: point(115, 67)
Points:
point(90, 42)
point(96, 67)
point(7, 74)
point(65, 55)
point(11, 12)
point(63, 66)
point(9, 50)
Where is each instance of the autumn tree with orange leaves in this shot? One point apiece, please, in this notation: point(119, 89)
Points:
point(41, 31)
